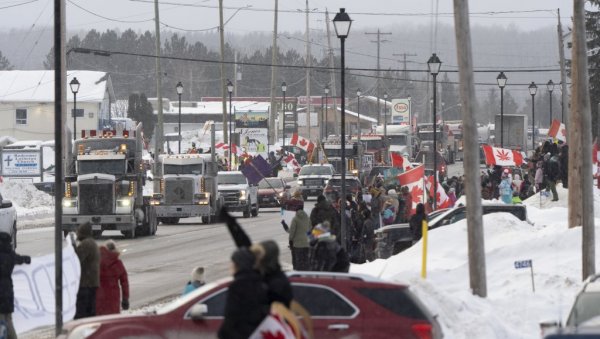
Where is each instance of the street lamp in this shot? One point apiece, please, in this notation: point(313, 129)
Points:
point(74, 84)
point(358, 93)
point(283, 89)
point(326, 111)
point(532, 91)
point(342, 23)
point(385, 122)
point(501, 83)
point(550, 86)
point(230, 90)
point(434, 65)
point(179, 88)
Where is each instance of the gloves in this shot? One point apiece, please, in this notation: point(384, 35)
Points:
point(27, 259)
point(125, 304)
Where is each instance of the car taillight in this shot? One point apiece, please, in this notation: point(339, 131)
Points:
point(422, 330)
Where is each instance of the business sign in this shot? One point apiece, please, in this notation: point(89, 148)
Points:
point(523, 264)
point(253, 141)
point(251, 119)
point(21, 163)
point(287, 114)
point(400, 111)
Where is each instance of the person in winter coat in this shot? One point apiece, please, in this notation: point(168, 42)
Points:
point(8, 260)
point(323, 211)
point(552, 174)
point(279, 288)
point(505, 188)
point(516, 183)
point(539, 176)
point(376, 207)
point(452, 196)
point(89, 259)
point(196, 281)
point(113, 282)
point(526, 189)
point(388, 215)
point(247, 303)
point(416, 222)
point(327, 255)
point(299, 240)
point(564, 165)
point(407, 196)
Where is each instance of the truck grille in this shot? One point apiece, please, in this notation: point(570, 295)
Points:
point(179, 190)
point(313, 182)
point(96, 197)
point(230, 197)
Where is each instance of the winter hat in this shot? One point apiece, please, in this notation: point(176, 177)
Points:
point(297, 194)
point(84, 231)
point(321, 198)
point(198, 274)
point(243, 259)
point(393, 193)
point(270, 261)
point(111, 246)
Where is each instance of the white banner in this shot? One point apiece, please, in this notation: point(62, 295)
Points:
point(15, 163)
point(34, 290)
point(400, 111)
point(254, 140)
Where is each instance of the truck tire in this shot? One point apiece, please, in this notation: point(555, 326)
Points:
point(174, 221)
point(255, 211)
point(206, 219)
point(247, 211)
point(129, 234)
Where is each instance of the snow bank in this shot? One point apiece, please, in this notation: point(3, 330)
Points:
point(27, 200)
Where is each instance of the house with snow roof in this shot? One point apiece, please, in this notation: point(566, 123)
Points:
point(27, 103)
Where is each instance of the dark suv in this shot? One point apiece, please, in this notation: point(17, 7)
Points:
point(394, 239)
point(333, 189)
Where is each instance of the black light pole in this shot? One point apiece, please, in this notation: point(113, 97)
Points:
point(326, 111)
point(434, 65)
point(358, 93)
point(74, 84)
point(179, 88)
point(342, 24)
point(532, 91)
point(501, 79)
point(230, 90)
point(550, 86)
point(385, 122)
point(283, 89)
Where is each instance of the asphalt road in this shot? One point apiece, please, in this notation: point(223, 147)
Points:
point(159, 266)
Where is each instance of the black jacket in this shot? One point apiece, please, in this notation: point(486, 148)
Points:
point(8, 260)
point(329, 256)
point(246, 306)
point(279, 288)
point(416, 226)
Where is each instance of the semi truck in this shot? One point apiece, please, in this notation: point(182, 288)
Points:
point(333, 152)
point(515, 131)
point(104, 184)
point(400, 139)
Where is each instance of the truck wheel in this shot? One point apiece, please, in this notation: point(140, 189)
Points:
point(255, 211)
point(206, 220)
point(247, 211)
point(129, 234)
point(174, 221)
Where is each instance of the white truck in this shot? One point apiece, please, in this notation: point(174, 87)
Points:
point(312, 179)
point(8, 220)
point(400, 139)
point(237, 194)
point(515, 131)
point(188, 188)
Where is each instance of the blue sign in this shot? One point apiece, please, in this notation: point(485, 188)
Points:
point(523, 263)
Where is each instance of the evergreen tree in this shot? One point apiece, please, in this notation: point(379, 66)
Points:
point(4, 63)
point(140, 110)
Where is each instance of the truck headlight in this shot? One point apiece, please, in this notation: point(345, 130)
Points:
point(154, 202)
point(123, 202)
point(300, 182)
point(202, 198)
point(69, 203)
point(242, 195)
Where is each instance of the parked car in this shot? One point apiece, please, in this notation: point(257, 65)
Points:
point(272, 191)
point(341, 306)
point(587, 302)
point(393, 239)
point(8, 220)
point(333, 188)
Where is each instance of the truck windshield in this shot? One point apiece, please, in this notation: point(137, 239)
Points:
point(397, 139)
point(316, 170)
point(337, 152)
point(115, 167)
point(232, 179)
point(183, 169)
point(373, 144)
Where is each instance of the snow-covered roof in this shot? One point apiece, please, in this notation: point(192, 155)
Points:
point(362, 117)
point(215, 107)
point(38, 86)
point(374, 99)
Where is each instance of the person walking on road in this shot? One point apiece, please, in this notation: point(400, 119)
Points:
point(89, 259)
point(298, 239)
point(113, 292)
point(8, 260)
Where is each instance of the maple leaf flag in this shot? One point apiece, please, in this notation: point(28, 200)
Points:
point(442, 201)
point(400, 162)
point(502, 156)
point(595, 155)
point(558, 130)
point(302, 143)
point(413, 179)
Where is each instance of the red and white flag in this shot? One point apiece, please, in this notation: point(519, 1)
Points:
point(291, 161)
point(595, 153)
point(413, 179)
point(502, 156)
point(236, 150)
point(302, 143)
point(558, 131)
point(442, 201)
point(221, 147)
point(400, 161)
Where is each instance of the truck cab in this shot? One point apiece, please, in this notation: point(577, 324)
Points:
point(313, 178)
point(333, 152)
point(237, 193)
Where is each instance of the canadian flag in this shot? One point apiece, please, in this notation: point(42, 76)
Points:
point(303, 143)
point(413, 179)
point(236, 150)
point(502, 156)
point(442, 201)
point(400, 162)
point(292, 163)
point(558, 130)
point(221, 147)
point(595, 154)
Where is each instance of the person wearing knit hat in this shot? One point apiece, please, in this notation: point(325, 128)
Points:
point(247, 303)
point(279, 288)
point(196, 281)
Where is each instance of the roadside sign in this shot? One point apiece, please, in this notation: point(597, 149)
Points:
point(526, 264)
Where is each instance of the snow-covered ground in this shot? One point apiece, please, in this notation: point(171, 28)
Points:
point(29, 202)
point(511, 309)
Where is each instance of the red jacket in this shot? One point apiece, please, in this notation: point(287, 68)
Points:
point(112, 274)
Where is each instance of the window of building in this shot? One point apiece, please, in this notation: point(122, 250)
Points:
point(21, 116)
point(79, 112)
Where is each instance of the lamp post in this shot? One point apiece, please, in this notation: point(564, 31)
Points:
point(358, 93)
point(230, 90)
point(342, 23)
point(74, 84)
point(283, 89)
point(326, 111)
point(410, 113)
point(179, 88)
point(385, 122)
point(501, 79)
point(550, 86)
point(532, 91)
point(434, 65)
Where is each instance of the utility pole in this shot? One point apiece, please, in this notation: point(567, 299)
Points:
point(235, 73)
point(563, 74)
point(477, 271)
point(581, 211)
point(331, 76)
point(158, 132)
point(226, 136)
point(273, 108)
point(378, 42)
point(405, 72)
point(308, 63)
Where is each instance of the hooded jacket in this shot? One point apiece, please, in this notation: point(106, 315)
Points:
point(323, 211)
point(113, 283)
point(89, 257)
point(8, 260)
point(299, 228)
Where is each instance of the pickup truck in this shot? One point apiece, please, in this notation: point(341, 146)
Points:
point(393, 239)
point(8, 220)
point(237, 193)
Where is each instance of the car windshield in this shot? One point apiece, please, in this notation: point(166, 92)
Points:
point(586, 307)
point(270, 183)
point(183, 169)
point(316, 170)
point(232, 179)
point(115, 167)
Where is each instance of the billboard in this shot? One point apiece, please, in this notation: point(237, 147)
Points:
point(251, 119)
point(401, 111)
point(21, 163)
point(254, 141)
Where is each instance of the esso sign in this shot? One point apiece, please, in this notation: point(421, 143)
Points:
point(401, 107)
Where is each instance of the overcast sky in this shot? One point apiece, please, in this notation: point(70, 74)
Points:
point(203, 14)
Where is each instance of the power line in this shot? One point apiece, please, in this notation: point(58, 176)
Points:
point(19, 4)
